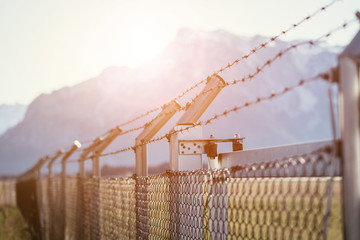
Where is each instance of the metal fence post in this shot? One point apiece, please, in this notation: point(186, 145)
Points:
point(39, 192)
point(96, 149)
point(96, 198)
point(79, 201)
point(62, 226)
point(80, 210)
point(192, 114)
point(349, 65)
point(81, 225)
point(39, 231)
point(51, 202)
point(146, 135)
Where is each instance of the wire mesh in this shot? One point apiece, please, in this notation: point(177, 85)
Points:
point(282, 199)
point(7, 192)
point(70, 207)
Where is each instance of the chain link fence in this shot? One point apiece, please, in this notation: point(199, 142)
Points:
point(7, 192)
point(283, 199)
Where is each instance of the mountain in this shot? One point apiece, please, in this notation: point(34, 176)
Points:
point(10, 115)
point(88, 109)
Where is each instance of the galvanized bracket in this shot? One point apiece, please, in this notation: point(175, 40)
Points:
point(201, 146)
point(194, 148)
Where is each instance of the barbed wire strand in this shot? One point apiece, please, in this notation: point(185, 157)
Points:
point(250, 76)
point(251, 52)
point(223, 114)
point(244, 79)
point(259, 68)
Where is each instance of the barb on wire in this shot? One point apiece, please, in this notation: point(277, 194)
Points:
point(140, 116)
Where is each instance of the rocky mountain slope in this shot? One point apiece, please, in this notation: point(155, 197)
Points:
point(10, 115)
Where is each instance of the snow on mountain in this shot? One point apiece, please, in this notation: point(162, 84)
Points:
point(10, 115)
point(88, 109)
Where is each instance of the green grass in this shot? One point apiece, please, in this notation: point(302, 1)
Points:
point(12, 225)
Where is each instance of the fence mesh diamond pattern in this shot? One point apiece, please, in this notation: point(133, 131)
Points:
point(283, 199)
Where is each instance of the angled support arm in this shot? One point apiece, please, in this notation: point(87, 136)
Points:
point(198, 106)
point(148, 133)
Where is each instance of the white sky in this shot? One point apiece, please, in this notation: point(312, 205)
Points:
point(49, 44)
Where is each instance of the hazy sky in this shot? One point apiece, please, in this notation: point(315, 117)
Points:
point(48, 44)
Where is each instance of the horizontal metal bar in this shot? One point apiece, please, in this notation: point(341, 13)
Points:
point(263, 155)
point(212, 140)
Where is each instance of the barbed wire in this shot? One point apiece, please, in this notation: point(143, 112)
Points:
point(257, 48)
point(272, 39)
point(259, 68)
point(244, 79)
point(293, 46)
point(250, 76)
point(223, 114)
point(251, 52)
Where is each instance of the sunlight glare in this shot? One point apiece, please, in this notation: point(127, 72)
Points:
point(142, 45)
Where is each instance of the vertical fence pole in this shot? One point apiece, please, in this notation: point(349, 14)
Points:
point(97, 175)
point(349, 64)
point(96, 149)
point(51, 203)
point(95, 216)
point(50, 218)
point(39, 194)
point(82, 226)
point(62, 226)
point(40, 201)
point(146, 135)
point(79, 201)
point(80, 210)
point(63, 200)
